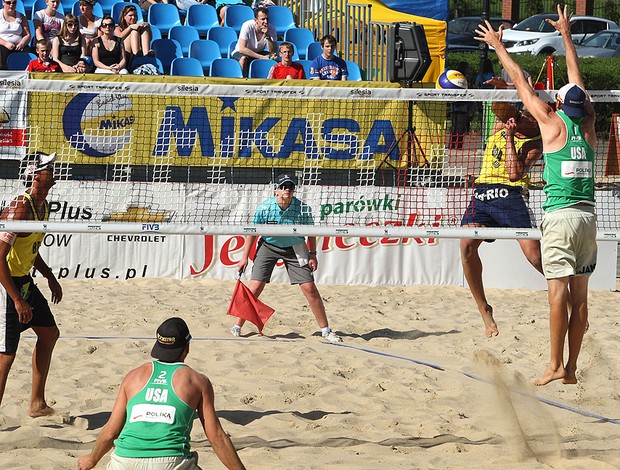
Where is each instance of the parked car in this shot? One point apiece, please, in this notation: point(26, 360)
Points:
point(535, 36)
point(461, 30)
point(602, 44)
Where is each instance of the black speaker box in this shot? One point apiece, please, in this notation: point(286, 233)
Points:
point(408, 55)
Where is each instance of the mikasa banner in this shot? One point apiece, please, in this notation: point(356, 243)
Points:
point(342, 260)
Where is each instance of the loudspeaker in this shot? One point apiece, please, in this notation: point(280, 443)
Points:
point(408, 54)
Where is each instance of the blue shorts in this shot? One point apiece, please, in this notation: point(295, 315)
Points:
point(10, 327)
point(498, 205)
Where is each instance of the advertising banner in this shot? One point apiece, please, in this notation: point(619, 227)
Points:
point(13, 104)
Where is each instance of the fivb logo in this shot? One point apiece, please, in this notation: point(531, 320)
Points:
point(98, 125)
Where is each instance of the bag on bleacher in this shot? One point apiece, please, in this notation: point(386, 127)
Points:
point(146, 69)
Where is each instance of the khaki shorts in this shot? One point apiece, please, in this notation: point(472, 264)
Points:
point(568, 244)
point(154, 463)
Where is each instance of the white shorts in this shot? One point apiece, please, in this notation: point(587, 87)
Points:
point(154, 463)
point(568, 244)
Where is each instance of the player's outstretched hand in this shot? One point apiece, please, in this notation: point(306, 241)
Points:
point(485, 33)
point(563, 22)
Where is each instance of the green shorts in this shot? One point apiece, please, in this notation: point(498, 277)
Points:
point(568, 244)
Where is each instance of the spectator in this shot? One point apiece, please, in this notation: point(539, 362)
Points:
point(89, 23)
point(254, 36)
point(15, 32)
point(327, 66)
point(47, 22)
point(136, 36)
point(146, 4)
point(461, 113)
point(43, 63)
point(486, 74)
point(69, 45)
point(221, 5)
point(287, 69)
point(108, 51)
point(185, 4)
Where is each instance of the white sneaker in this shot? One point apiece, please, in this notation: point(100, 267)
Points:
point(332, 337)
point(235, 330)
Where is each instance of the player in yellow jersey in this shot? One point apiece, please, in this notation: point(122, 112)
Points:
point(21, 303)
point(499, 198)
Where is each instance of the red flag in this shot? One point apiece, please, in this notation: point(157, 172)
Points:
point(244, 304)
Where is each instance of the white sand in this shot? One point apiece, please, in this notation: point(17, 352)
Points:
point(290, 401)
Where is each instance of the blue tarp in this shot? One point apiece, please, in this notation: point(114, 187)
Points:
point(436, 9)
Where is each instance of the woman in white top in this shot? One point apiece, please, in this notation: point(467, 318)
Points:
point(89, 23)
point(47, 22)
point(14, 31)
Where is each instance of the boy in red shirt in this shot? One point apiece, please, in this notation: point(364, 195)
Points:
point(43, 63)
point(287, 68)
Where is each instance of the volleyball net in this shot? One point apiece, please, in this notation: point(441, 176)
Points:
point(199, 157)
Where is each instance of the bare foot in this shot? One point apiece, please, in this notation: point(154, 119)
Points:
point(38, 412)
point(489, 323)
point(570, 378)
point(549, 375)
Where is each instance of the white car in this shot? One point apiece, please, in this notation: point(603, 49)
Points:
point(535, 36)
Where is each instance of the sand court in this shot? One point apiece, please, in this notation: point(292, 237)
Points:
point(415, 384)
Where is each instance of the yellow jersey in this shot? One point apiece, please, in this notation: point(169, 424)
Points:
point(25, 249)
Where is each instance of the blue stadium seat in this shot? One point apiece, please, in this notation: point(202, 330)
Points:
point(155, 33)
point(306, 65)
point(314, 50)
point(166, 50)
point(138, 61)
point(67, 5)
point(281, 18)
point(228, 68)
point(260, 68)
point(75, 9)
point(355, 74)
point(236, 15)
point(117, 8)
point(186, 67)
point(164, 16)
point(301, 37)
point(28, 7)
point(185, 35)
point(20, 60)
point(106, 6)
point(205, 51)
point(20, 8)
point(223, 35)
point(203, 17)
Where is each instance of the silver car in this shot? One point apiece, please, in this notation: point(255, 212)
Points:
point(602, 44)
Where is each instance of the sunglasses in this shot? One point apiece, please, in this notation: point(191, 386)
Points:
point(71, 24)
point(288, 186)
point(11, 3)
point(107, 25)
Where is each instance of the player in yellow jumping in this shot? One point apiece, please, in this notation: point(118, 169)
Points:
point(500, 195)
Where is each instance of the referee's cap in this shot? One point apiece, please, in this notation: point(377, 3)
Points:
point(285, 178)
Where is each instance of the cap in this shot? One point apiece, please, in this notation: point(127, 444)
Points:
point(285, 178)
point(573, 99)
point(37, 162)
point(172, 337)
point(88, 61)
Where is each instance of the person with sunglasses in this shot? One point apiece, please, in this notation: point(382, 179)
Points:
point(15, 32)
point(22, 305)
point(89, 23)
point(69, 46)
point(47, 22)
point(108, 51)
point(136, 36)
point(299, 260)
